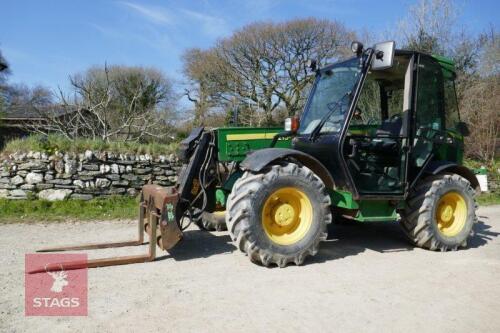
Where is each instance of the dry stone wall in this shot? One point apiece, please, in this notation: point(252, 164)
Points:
point(82, 176)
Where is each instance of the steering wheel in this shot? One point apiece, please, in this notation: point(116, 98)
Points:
point(329, 125)
point(395, 116)
point(426, 132)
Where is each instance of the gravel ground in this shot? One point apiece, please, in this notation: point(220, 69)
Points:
point(365, 278)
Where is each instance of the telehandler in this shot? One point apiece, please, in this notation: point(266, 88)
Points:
point(380, 139)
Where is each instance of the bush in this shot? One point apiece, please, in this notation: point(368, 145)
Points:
point(50, 143)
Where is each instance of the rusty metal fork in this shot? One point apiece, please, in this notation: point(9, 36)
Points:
point(151, 227)
point(158, 206)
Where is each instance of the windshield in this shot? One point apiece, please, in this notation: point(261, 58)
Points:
point(329, 94)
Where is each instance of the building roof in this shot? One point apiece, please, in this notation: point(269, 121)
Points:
point(23, 112)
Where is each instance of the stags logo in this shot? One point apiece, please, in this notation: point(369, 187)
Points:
point(54, 291)
point(59, 280)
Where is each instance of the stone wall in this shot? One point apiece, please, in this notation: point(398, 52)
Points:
point(82, 176)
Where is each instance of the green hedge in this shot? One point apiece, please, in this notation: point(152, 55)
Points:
point(51, 143)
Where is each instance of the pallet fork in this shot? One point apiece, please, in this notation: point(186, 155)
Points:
point(156, 218)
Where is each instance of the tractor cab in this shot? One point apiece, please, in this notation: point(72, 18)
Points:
point(376, 120)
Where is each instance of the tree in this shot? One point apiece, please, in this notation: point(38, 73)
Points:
point(112, 103)
point(4, 72)
point(22, 96)
point(4, 67)
point(200, 67)
point(428, 26)
point(480, 102)
point(261, 69)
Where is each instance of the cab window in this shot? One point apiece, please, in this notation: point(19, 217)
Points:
point(450, 103)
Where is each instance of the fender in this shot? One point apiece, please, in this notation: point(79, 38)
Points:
point(259, 159)
point(436, 167)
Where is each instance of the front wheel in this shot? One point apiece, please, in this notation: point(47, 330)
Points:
point(279, 215)
point(440, 213)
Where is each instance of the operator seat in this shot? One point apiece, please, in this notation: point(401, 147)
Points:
point(391, 126)
point(386, 149)
point(385, 142)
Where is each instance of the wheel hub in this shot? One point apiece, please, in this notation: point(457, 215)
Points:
point(446, 213)
point(451, 214)
point(287, 216)
point(284, 214)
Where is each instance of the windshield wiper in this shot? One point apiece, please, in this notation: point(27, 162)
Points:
point(332, 107)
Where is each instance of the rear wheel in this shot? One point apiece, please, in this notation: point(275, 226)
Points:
point(279, 215)
point(440, 213)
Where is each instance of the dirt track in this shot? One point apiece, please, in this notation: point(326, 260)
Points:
point(365, 278)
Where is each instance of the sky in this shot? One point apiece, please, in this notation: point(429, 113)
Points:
point(46, 41)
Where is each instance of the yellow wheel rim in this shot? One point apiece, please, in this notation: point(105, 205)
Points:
point(219, 213)
point(287, 216)
point(451, 214)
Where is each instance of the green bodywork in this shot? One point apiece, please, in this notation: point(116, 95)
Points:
point(366, 210)
point(220, 197)
point(234, 143)
point(447, 66)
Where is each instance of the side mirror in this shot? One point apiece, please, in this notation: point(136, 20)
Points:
point(462, 128)
point(312, 64)
point(384, 55)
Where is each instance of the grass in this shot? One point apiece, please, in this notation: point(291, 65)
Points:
point(53, 142)
point(493, 168)
point(492, 165)
point(486, 199)
point(112, 208)
point(96, 209)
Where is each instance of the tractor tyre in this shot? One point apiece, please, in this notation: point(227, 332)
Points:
point(440, 213)
point(278, 215)
point(217, 224)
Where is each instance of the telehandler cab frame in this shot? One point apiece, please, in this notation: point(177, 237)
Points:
point(380, 139)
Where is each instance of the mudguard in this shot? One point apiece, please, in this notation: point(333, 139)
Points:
point(259, 159)
point(436, 167)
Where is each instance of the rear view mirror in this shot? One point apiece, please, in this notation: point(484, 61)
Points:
point(462, 128)
point(384, 55)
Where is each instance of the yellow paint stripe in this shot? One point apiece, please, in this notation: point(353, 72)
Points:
point(238, 137)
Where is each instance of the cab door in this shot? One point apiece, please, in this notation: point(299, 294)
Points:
point(376, 142)
point(428, 130)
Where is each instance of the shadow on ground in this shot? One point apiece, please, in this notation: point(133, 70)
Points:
point(344, 240)
point(200, 244)
point(352, 238)
point(482, 233)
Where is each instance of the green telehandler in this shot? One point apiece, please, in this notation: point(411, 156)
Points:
point(380, 139)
